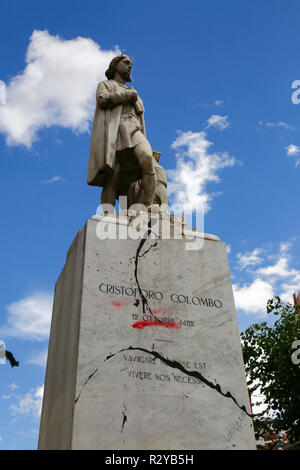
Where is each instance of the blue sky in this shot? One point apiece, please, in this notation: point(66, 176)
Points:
point(215, 78)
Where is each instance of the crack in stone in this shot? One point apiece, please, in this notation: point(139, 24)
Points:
point(89, 377)
point(145, 303)
point(179, 366)
point(137, 255)
point(124, 418)
point(154, 245)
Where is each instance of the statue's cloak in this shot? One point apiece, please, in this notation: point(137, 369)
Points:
point(104, 133)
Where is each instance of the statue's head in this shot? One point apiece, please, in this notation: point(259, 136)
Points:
point(122, 64)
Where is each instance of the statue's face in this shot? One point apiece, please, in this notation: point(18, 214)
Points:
point(124, 67)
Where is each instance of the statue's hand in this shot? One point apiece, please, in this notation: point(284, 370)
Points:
point(133, 95)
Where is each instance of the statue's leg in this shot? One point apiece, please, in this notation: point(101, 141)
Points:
point(144, 156)
point(109, 192)
point(135, 194)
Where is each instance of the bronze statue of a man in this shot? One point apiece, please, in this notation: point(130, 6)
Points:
point(119, 150)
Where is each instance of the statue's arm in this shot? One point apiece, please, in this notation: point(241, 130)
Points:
point(107, 99)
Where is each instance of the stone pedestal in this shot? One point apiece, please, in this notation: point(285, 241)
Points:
point(144, 350)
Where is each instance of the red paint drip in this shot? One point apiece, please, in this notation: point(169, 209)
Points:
point(143, 323)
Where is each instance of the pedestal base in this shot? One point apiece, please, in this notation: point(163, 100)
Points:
point(144, 349)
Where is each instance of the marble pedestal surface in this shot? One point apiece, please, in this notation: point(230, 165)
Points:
point(144, 350)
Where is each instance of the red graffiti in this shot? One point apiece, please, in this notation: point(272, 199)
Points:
point(117, 303)
point(143, 323)
point(120, 303)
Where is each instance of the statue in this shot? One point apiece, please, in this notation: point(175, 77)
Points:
point(135, 193)
point(120, 153)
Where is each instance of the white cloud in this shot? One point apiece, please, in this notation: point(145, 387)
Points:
point(195, 168)
point(217, 121)
point(216, 103)
point(280, 269)
point(30, 404)
point(2, 92)
point(13, 386)
point(285, 278)
point(282, 124)
point(38, 358)
point(294, 152)
point(265, 282)
point(56, 88)
point(250, 258)
point(54, 179)
point(253, 298)
point(284, 247)
point(30, 317)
